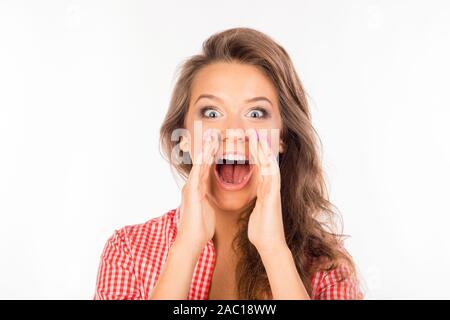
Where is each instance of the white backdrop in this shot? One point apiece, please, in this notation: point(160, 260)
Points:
point(84, 86)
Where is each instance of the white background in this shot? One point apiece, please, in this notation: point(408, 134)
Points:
point(84, 86)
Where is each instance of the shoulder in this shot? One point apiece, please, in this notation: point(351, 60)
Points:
point(134, 255)
point(150, 230)
point(138, 238)
point(144, 240)
point(338, 282)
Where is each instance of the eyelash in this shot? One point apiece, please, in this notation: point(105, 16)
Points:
point(265, 113)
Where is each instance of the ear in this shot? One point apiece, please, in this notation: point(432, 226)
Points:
point(184, 144)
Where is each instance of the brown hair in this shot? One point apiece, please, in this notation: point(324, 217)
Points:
point(314, 244)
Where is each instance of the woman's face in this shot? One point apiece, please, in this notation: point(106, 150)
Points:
point(221, 99)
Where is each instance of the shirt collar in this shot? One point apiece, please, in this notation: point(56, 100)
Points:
point(177, 217)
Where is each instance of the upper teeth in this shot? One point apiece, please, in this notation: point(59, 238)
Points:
point(234, 157)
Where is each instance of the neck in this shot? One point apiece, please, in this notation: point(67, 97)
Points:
point(226, 226)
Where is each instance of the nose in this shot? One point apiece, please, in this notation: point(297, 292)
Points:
point(234, 135)
point(233, 140)
point(234, 130)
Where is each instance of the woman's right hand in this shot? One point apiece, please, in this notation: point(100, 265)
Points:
point(197, 224)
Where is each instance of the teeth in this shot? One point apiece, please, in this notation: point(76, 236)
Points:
point(231, 158)
point(234, 157)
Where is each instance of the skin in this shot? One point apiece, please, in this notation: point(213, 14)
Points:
point(232, 84)
point(208, 211)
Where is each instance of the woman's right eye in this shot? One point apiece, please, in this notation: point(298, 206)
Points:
point(208, 112)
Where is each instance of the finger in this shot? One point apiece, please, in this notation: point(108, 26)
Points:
point(268, 157)
point(253, 146)
point(254, 157)
point(268, 167)
point(195, 171)
point(258, 151)
point(198, 160)
point(211, 148)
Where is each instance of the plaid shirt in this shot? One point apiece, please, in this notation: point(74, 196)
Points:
point(134, 256)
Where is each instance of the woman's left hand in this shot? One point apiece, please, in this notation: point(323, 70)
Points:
point(265, 227)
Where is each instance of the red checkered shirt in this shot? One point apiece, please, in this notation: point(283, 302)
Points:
point(134, 256)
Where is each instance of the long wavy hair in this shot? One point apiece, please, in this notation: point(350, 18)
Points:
point(310, 220)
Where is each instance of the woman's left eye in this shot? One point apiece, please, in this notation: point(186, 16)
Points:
point(257, 113)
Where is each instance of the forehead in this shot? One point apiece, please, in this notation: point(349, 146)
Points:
point(233, 82)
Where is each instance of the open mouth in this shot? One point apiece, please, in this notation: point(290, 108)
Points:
point(233, 174)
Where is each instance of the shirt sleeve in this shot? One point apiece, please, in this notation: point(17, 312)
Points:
point(338, 284)
point(116, 279)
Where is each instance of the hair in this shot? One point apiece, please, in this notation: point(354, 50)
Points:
point(315, 244)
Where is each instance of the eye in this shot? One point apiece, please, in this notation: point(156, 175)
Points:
point(258, 113)
point(209, 112)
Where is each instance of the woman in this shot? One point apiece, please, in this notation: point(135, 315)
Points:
point(249, 223)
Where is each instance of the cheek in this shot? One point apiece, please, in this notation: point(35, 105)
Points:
point(197, 129)
point(253, 185)
point(274, 122)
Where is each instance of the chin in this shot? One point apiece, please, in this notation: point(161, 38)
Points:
point(227, 201)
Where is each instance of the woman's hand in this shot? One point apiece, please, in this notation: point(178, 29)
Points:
point(197, 224)
point(265, 227)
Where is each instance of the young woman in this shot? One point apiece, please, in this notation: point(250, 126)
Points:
point(250, 224)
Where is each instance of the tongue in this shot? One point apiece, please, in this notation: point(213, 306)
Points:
point(234, 173)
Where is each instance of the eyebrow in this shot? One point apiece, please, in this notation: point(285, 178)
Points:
point(213, 97)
